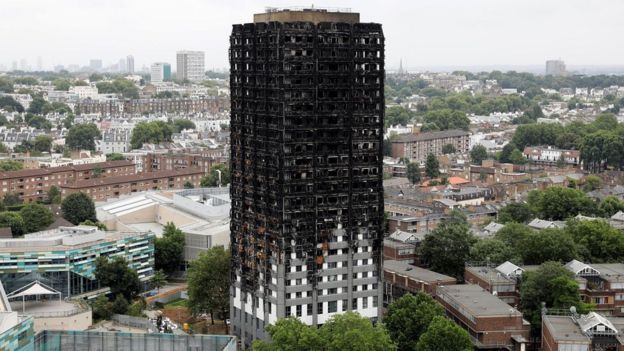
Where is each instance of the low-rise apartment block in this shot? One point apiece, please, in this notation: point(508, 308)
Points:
point(401, 278)
point(491, 323)
point(101, 189)
point(34, 184)
point(416, 147)
point(550, 156)
point(589, 332)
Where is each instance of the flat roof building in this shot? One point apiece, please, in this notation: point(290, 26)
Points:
point(64, 258)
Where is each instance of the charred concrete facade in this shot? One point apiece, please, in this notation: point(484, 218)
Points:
point(307, 92)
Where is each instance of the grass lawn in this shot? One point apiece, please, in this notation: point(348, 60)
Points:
point(177, 303)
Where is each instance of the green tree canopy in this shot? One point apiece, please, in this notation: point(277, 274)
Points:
point(447, 248)
point(181, 124)
point(54, 195)
point(115, 157)
point(547, 245)
point(409, 317)
point(43, 143)
point(515, 212)
point(82, 137)
point(351, 332)
point(610, 206)
point(513, 234)
point(413, 173)
point(169, 249)
point(209, 283)
point(558, 203)
point(116, 274)
point(478, 154)
point(493, 251)
point(11, 165)
point(443, 334)
point(432, 166)
point(150, 132)
point(36, 217)
point(599, 242)
point(14, 221)
point(552, 284)
point(448, 149)
point(9, 104)
point(78, 207)
point(212, 178)
point(290, 334)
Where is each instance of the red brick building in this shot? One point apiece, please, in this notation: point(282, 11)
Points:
point(102, 188)
point(170, 161)
point(401, 278)
point(491, 323)
point(34, 184)
point(588, 332)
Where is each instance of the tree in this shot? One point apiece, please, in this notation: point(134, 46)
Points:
point(505, 154)
point(7, 103)
point(493, 251)
point(552, 284)
point(413, 172)
point(513, 234)
point(95, 77)
point(515, 212)
point(478, 154)
point(446, 249)
point(120, 304)
point(119, 86)
point(78, 207)
point(82, 137)
point(290, 334)
point(444, 334)
point(517, 158)
point(212, 179)
point(99, 225)
point(10, 165)
point(43, 143)
point(432, 166)
point(36, 217)
point(159, 279)
point(351, 332)
point(592, 183)
point(598, 241)
point(408, 318)
point(188, 185)
point(169, 249)
point(116, 274)
point(61, 84)
point(115, 157)
point(54, 195)
point(150, 132)
point(610, 206)
point(559, 203)
point(102, 308)
point(209, 283)
point(448, 149)
point(547, 245)
point(6, 85)
point(14, 221)
point(181, 124)
point(37, 105)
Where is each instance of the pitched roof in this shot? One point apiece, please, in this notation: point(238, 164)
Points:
point(509, 269)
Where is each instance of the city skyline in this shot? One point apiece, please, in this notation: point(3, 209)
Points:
point(452, 34)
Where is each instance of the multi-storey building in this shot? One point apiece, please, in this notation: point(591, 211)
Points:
point(416, 147)
point(34, 184)
point(101, 189)
point(130, 64)
point(402, 278)
point(491, 323)
point(156, 162)
point(307, 92)
point(205, 104)
point(190, 65)
point(64, 258)
point(555, 68)
point(160, 72)
point(550, 155)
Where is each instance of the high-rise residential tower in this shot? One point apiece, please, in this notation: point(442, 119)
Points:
point(130, 64)
point(555, 68)
point(160, 72)
point(307, 95)
point(190, 65)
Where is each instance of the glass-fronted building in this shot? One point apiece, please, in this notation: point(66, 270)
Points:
point(64, 258)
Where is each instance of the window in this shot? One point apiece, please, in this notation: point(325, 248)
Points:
point(299, 308)
point(365, 302)
point(332, 291)
point(344, 305)
point(332, 307)
point(309, 308)
point(354, 304)
point(375, 302)
point(319, 308)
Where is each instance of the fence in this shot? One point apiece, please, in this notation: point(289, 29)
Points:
point(134, 322)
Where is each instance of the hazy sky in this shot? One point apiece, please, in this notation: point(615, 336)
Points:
point(422, 32)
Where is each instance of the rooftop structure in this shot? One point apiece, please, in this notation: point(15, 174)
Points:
point(203, 214)
point(302, 14)
point(592, 331)
point(400, 278)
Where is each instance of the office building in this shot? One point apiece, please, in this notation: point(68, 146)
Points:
point(190, 66)
point(160, 72)
point(416, 147)
point(130, 64)
point(307, 102)
point(64, 258)
point(555, 68)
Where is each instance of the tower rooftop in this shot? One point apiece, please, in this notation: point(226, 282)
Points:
point(307, 14)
